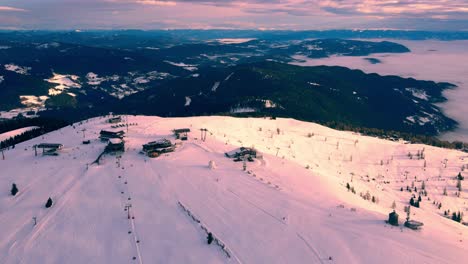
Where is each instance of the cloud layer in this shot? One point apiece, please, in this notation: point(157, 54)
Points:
point(265, 14)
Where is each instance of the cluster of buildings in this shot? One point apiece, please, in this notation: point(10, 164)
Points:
point(116, 143)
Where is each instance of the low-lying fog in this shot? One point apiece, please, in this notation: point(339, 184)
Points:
point(444, 61)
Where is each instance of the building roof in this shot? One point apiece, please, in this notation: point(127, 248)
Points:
point(112, 132)
point(49, 145)
point(162, 143)
point(181, 130)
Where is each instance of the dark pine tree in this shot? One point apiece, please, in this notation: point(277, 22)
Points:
point(14, 189)
point(209, 238)
point(48, 203)
point(454, 216)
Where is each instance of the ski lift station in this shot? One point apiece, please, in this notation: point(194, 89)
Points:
point(156, 148)
point(49, 149)
point(181, 133)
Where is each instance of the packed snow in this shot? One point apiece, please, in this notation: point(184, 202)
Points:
point(140, 80)
point(64, 82)
point(418, 93)
point(25, 112)
point(18, 69)
point(443, 61)
point(242, 109)
point(188, 67)
point(229, 77)
point(188, 101)
point(94, 79)
point(291, 206)
point(33, 101)
point(269, 104)
point(48, 45)
point(215, 86)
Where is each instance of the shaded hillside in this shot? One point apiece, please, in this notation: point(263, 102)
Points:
point(308, 93)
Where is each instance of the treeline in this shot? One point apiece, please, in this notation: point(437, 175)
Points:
point(45, 125)
point(396, 135)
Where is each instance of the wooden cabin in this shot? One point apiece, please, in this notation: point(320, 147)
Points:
point(115, 145)
point(181, 133)
point(49, 149)
point(105, 135)
point(115, 120)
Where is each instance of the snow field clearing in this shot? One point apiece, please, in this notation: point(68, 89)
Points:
point(290, 207)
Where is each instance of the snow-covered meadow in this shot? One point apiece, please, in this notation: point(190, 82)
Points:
point(292, 206)
point(64, 82)
point(443, 61)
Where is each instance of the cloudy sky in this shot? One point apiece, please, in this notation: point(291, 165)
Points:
point(234, 14)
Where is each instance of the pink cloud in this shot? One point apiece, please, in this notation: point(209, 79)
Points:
point(156, 3)
point(13, 9)
point(271, 14)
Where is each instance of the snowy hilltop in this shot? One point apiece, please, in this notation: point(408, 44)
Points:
point(141, 189)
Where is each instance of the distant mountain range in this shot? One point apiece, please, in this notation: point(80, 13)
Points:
point(74, 74)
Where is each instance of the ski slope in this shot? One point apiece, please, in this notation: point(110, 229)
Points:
point(292, 206)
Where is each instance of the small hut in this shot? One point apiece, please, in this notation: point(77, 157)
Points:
point(181, 133)
point(115, 120)
point(115, 145)
point(393, 218)
point(49, 149)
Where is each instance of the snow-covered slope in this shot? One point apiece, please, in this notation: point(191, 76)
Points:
point(292, 206)
point(13, 133)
